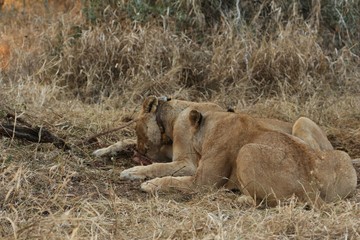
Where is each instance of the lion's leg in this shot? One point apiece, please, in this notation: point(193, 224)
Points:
point(184, 162)
point(307, 130)
point(214, 171)
point(177, 168)
point(113, 149)
point(269, 174)
point(165, 184)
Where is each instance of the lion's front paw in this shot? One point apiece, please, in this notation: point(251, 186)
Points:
point(133, 173)
point(100, 152)
point(127, 145)
point(151, 186)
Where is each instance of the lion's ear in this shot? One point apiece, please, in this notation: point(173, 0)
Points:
point(150, 104)
point(195, 118)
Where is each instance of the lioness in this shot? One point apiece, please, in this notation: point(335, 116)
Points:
point(154, 128)
point(155, 137)
point(237, 150)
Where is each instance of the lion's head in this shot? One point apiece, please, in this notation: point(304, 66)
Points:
point(149, 133)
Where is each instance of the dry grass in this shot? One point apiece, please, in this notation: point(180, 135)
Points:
point(77, 77)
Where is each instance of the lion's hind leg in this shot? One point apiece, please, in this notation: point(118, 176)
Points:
point(270, 174)
point(307, 130)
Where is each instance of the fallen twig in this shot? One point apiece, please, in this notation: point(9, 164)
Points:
point(93, 137)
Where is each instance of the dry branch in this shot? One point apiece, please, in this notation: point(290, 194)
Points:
point(35, 134)
point(16, 127)
point(93, 137)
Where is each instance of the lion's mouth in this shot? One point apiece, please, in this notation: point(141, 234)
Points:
point(141, 159)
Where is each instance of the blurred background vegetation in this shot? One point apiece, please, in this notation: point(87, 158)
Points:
point(100, 48)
